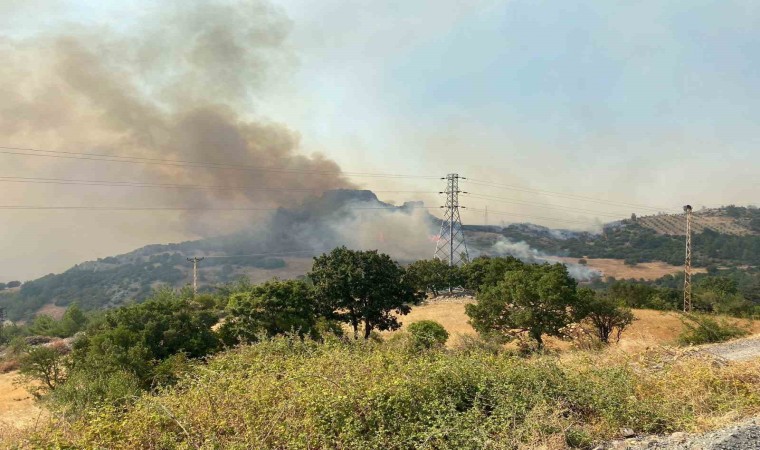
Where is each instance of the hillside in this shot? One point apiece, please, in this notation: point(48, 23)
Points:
point(283, 247)
point(730, 220)
point(726, 236)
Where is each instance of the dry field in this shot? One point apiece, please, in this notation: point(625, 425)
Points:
point(652, 328)
point(616, 268)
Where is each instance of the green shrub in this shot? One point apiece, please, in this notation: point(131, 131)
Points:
point(704, 329)
point(299, 394)
point(428, 334)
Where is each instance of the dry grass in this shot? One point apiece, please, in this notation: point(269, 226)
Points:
point(652, 328)
point(618, 269)
point(17, 407)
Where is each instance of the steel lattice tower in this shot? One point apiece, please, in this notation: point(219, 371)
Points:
point(450, 246)
point(687, 264)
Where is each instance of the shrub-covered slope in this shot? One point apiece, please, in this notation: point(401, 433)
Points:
point(288, 394)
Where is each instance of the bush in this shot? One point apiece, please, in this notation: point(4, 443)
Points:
point(427, 334)
point(288, 393)
point(704, 329)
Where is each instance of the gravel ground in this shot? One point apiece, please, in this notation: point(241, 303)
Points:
point(742, 436)
point(739, 350)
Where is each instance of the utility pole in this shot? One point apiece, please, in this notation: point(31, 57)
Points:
point(687, 264)
point(451, 246)
point(195, 260)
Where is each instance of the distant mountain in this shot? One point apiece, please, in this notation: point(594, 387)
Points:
point(283, 247)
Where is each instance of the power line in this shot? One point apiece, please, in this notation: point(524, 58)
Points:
point(541, 205)
point(534, 217)
point(565, 195)
point(64, 181)
point(171, 208)
point(20, 151)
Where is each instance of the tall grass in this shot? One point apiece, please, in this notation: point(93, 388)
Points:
point(285, 393)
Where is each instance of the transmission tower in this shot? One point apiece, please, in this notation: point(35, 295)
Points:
point(687, 264)
point(450, 246)
point(195, 261)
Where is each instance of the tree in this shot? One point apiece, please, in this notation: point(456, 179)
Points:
point(605, 314)
point(43, 364)
point(272, 308)
point(73, 321)
point(362, 287)
point(138, 337)
point(3, 286)
point(536, 300)
point(432, 275)
point(13, 284)
point(485, 271)
point(44, 325)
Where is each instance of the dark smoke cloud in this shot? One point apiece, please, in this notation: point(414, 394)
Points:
point(181, 83)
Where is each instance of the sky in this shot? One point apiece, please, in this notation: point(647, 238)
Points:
point(646, 103)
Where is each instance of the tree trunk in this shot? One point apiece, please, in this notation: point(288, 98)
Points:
point(355, 325)
point(538, 339)
point(367, 328)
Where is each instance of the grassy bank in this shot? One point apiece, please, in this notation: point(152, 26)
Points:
point(287, 394)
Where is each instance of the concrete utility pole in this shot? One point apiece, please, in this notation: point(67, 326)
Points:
point(687, 264)
point(450, 246)
point(195, 262)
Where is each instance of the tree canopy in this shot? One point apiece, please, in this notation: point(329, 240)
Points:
point(536, 300)
point(362, 288)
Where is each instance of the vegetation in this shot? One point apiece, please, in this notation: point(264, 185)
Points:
point(634, 243)
point(427, 334)
point(703, 329)
point(536, 300)
point(362, 288)
point(269, 309)
point(148, 375)
point(606, 316)
point(433, 275)
point(288, 393)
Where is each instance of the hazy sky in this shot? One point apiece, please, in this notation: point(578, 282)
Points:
point(638, 102)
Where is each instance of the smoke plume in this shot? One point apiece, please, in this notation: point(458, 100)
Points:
point(181, 84)
point(524, 252)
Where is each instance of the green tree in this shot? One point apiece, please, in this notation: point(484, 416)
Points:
point(427, 334)
point(433, 275)
point(485, 271)
point(44, 325)
point(272, 308)
point(605, 315)
point(44, 365)
point(73, 321)
point(138, 337)
point(362, 287)
point(536, 300)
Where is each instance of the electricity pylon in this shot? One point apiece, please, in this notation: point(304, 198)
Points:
point(450, 246)
point(687, 264)
point(195, 261)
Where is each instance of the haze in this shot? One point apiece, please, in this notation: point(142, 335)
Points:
point(648, 103)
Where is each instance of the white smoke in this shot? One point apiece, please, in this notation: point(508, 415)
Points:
point(524, 252)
